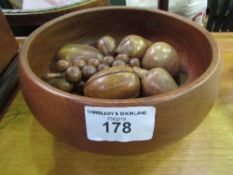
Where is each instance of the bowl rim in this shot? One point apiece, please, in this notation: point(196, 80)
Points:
point(185, 89)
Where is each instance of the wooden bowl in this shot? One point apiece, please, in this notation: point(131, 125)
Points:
point(177, 113)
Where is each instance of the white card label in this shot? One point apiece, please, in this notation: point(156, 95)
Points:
point(123, 124)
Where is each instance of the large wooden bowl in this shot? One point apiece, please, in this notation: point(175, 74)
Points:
point(177, 113)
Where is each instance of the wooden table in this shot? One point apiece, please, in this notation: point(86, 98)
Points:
point(28, 149)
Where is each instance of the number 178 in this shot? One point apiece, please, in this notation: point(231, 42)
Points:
point(115, 126)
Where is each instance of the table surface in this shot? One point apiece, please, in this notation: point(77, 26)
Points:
point(27, 148)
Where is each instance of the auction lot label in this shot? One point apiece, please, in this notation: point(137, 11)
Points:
point(122, 124)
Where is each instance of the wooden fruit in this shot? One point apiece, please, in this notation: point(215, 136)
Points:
point(133, 46)
point(155, 81)
point(119, 82)
point(161, 54)
point(78, 51)
point(106, 45)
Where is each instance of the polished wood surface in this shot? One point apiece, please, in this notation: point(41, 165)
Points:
point(27, 148)
point(64, 115)
point(7, 39)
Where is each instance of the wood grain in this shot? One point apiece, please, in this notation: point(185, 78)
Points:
point(27, 148)
point(8, 45)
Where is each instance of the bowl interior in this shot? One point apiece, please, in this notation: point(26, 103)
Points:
point(89, 25)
